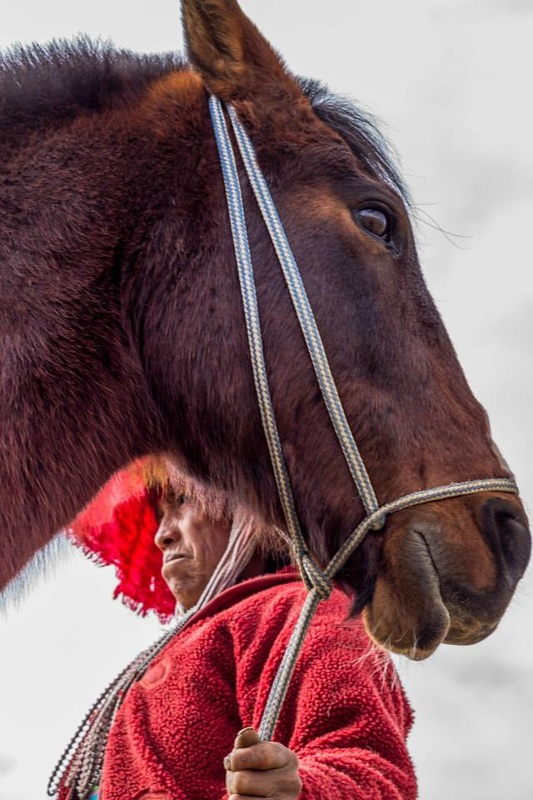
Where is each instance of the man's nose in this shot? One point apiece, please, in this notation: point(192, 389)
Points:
point(166, 535)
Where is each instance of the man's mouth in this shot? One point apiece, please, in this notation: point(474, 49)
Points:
point(174, 557)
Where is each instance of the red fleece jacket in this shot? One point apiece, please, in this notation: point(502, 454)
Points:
point(345, 715)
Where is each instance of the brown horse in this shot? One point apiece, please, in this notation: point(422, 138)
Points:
point(122, 332)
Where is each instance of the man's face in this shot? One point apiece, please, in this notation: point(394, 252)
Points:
point(192, 545)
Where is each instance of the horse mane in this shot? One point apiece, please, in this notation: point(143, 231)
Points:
point(48, 85)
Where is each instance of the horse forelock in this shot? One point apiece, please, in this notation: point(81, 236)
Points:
point(360, 130)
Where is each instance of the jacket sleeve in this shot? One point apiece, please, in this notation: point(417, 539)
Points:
point(350, 718)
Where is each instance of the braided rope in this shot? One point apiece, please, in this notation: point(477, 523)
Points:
point(80, 764)
point(243, 258)
point(288, 662)
point(413, 499)
point(305, 316)
point(317, 581)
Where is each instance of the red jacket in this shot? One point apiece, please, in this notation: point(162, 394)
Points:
point(345, 715)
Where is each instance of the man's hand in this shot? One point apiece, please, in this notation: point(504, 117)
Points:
point(256, 769)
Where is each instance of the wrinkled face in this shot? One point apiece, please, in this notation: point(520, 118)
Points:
point(192, 545)
point(441, 572)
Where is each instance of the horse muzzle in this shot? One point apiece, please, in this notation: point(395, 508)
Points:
point(448, 577)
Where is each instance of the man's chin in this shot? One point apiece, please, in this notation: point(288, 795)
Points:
point(185, 589)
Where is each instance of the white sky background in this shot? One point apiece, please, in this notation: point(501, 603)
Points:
point(452, 81)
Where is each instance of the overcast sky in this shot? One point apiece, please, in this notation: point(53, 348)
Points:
point(451, 81)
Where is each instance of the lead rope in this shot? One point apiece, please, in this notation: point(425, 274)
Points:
point(317, 581)
point(79, 768)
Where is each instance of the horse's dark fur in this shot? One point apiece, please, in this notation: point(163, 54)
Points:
point(47, 87)
point(121, 325)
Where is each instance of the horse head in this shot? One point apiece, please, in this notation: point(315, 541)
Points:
point(128, 336)
point(440, 572)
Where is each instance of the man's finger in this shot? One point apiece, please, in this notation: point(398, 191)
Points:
point(262, 756)
point(270, 783)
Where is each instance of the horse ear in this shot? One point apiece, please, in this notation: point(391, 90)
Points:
point(233, 57)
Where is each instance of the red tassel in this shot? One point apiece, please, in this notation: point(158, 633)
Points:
point(124, 537)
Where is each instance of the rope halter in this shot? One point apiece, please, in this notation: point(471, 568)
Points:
point(317, 581)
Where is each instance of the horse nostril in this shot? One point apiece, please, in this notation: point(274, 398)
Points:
point(506, 531)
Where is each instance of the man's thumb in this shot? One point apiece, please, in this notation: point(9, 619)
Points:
point(246, 738)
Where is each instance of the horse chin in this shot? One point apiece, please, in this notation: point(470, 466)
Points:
point(463, 632)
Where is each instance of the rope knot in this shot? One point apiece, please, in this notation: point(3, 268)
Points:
point(314, 577)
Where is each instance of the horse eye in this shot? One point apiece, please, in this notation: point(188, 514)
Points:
point(376, 222)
